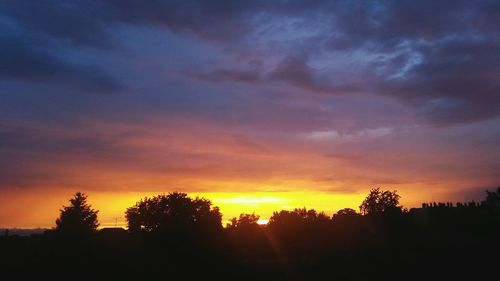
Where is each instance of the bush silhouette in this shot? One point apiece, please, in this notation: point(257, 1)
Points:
point(78, 218)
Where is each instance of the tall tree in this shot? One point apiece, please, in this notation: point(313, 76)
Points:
point(378, 202)
point(78, 217)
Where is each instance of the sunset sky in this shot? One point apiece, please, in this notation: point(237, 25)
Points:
point(256, 105)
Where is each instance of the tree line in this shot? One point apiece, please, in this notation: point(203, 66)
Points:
point(184, 238)
point(176, 211)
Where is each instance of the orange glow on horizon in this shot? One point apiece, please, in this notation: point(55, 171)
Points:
point(44, 207)
point(112, 205)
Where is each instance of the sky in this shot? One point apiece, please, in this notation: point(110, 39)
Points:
point(257, 105)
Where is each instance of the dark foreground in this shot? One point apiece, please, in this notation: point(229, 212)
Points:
point(429, 243)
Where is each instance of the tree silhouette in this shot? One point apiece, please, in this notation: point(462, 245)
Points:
point(493, 198)
point(296, 217)
point(244, 221)
point(345, 213)
point(78, 218)
point(246, 234)
point(171, 234)
point(173, 211)
point(378, 202)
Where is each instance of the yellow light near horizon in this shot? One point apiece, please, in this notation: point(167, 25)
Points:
point(262, 222)
point(112, 206)
point(232, 204)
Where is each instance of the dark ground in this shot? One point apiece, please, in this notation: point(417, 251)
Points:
point(423, 244)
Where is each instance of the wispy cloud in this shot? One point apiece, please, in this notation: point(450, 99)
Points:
point(333, 135)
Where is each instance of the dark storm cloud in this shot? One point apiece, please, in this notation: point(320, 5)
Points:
point(26, 62)
point(443, 55)
point(458, 80)
point(437, 56)
point(385, 24)
point(85, 22)
point(34, 47)
point(292, 70)
point(295, 71)
point(76, 21)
